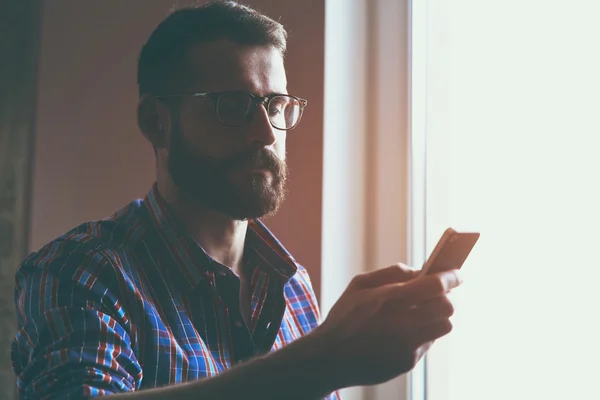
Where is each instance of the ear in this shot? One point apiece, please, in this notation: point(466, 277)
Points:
point(152, 118)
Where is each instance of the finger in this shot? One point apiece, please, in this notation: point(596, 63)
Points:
point(432, 332)
point(434, 310)
point(425, 288)
point(396, 273)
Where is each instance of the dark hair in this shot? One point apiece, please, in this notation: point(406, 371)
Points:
point(163, 56)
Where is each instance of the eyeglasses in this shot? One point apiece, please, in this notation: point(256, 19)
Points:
point(237, 108)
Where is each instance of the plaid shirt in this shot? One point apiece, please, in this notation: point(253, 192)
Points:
point(131, 302)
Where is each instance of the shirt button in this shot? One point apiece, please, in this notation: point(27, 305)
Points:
point(238, 324)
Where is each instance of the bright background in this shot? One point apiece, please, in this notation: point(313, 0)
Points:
point(513, 151)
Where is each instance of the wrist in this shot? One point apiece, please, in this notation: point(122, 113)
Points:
point(303, 368)
point(319, 355)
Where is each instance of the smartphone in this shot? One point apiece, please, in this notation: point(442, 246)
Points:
point(451, 251)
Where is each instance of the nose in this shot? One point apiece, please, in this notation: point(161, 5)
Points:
point(260, 132)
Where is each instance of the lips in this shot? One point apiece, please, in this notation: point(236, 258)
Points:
point(261, 170)
point(264, 162)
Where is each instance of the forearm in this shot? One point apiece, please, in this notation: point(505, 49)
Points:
point(300, 371)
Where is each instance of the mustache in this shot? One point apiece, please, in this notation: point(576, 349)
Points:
point(261, 158)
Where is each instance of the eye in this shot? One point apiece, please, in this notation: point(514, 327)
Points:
point(277, 105)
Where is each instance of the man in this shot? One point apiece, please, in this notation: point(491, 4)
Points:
point(185, 294)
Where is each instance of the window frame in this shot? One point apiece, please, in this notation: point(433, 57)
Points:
point(371, 218)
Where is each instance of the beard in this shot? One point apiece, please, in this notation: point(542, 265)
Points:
point(210, 181)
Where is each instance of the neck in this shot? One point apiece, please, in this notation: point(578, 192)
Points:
point(219, 235)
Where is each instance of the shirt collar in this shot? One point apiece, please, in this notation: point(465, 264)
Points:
point(271, 254)
point(192, 263)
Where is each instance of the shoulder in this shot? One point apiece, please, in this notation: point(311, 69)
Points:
point(301, 280)
point(97, 237)
point(301, 298)
point(85, 259)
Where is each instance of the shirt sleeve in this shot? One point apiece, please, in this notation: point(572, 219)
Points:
point(74, 339)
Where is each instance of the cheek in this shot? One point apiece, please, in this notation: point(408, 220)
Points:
point(207, 136)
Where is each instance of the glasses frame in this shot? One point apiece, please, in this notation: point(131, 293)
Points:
point(255, 102)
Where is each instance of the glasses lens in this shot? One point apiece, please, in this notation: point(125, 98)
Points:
point(284, 112)
point(233, 108)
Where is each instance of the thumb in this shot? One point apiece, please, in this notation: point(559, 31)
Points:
point(396, 273)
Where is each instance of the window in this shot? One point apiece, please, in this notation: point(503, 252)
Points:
point(509, 99)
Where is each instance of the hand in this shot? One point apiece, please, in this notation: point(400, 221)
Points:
point(384, 322)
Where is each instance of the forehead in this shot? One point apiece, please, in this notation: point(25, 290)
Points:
point(224, 65)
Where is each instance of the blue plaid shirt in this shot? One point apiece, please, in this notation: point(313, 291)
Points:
point(131, 302)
